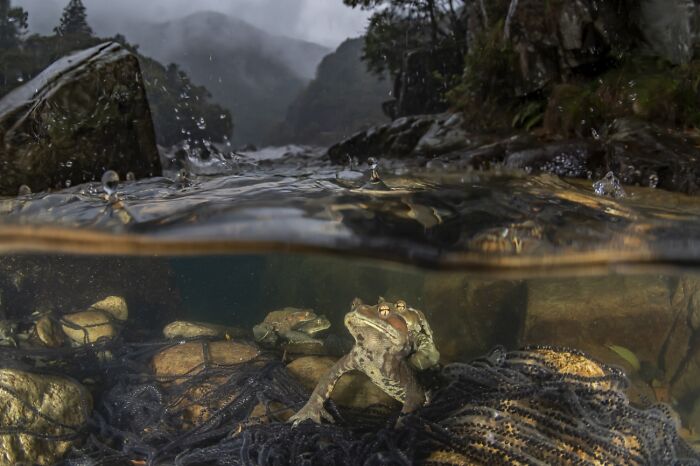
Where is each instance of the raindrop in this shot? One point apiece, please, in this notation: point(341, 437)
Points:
point(68, 183)
point(110, 182)
point(595, 134)
point(201, 124)
point(130, 176)
point(69, 164)
point(24, 190)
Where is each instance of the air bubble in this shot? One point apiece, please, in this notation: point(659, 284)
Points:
point(110, 182)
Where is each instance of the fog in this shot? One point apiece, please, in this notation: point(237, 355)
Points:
point(326, 22)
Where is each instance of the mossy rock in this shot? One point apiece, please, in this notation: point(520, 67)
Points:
point(84, 114)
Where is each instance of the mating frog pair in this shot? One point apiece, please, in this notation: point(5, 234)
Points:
point(392, 341)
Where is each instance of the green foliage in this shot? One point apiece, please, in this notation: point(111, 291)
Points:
point(641, 87)
point(486, 93)
point(13, 23)
point(401, 28)
point(74, 20)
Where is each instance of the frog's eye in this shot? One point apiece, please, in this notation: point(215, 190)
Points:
point(401, 305)
point(384, 311)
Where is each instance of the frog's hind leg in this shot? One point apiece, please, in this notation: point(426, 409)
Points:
point(313, 409)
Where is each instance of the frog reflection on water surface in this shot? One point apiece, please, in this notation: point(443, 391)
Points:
point(392, 340)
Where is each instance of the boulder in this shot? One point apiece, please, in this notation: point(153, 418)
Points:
point(101, 320)
point(353, 390)
point(88, 326)
point(413, 135)
point(179, 361)
point(39, 406)
point(593, 314)
point(84, 114)
point(186, 329)
point(469, 317)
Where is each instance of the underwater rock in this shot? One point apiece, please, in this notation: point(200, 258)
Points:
point(48, 333)
point(185, 329)
point(353, 390)
point(681, 356)
point(43, 283)
point(114, 306)
point(62, 127)
point(101, 320)
point(633, 312)
point(88, 326)
point(469, 317)
point(39, 406)
point(186, 359)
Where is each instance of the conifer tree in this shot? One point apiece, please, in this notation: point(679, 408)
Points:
point(74, 20)
point(13, 23)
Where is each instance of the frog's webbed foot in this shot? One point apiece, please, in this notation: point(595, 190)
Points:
point(311, 412)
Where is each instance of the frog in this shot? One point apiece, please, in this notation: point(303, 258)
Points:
point(291, 324)
point(386, 336)
point(425, 354)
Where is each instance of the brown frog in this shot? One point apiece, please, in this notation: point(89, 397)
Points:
point(292, 325)
point(385, 339)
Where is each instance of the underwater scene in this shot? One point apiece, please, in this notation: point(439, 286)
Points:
point(349, 232)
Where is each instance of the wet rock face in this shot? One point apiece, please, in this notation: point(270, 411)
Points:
point(553, 39)
point(42, 405)
point(86, 113)
point(415, 135)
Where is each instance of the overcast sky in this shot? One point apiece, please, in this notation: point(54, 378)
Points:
point(327, 22)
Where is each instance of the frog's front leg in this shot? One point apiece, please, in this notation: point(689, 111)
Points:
point(313, 409)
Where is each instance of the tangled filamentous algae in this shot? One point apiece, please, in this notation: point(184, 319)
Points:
point(539, 405)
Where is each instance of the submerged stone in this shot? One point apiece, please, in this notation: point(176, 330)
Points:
point(185, 329)
point(85, 112)
point(181, 361)
point(36, 407)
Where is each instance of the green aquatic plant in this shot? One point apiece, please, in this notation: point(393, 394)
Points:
point(627, 355)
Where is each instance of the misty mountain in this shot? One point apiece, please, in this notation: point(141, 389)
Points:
point(254, 74)
point(343, 99)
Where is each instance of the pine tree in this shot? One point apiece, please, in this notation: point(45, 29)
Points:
point(74, 20)
point(13, 22)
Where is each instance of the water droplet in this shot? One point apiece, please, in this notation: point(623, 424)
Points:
point(110, 182)
point(201, 124)
point(182, 176)
point(24, 190)
point(130, 176)
point(653, 180)
point(68, 183)
point(595, 133)
point(69, 163)
point(609, 185)
point(222, 116)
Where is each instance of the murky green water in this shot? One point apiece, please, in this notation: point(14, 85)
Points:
point(644, 321)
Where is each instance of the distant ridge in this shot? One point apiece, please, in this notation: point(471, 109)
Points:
point(254, 74)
